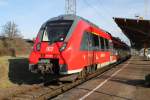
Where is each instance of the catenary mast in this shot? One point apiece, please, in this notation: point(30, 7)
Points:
point(70, 7)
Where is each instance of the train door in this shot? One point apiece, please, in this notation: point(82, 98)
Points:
point(111, 51)
point(93, 51)
point(104, 53)
point(86, 46)
point(90, 49)
point(95, 48)
point(107, 51)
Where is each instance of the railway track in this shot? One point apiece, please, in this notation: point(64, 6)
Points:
point(53, 89)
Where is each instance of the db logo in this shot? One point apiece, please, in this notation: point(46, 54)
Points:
point(49, 49)
point(102, 55)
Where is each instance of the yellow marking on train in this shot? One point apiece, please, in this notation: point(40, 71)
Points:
point(95, 33)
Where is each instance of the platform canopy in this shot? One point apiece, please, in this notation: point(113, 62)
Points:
point(137, 30)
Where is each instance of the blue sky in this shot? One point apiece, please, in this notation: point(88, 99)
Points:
point(30, 14)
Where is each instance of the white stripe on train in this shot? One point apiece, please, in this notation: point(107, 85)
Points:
point(79, 70)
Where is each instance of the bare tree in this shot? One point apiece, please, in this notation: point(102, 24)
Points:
point(10, 30)
point(11, 35)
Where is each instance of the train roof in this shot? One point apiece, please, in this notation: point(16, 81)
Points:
point(75, 18)
point(70, 17)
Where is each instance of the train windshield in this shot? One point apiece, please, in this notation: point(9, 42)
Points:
point(56, 31)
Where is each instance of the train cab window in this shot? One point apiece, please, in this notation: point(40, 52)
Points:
point(106, 44)
point(102, 43)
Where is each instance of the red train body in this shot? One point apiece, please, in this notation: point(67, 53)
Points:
point(67, 44)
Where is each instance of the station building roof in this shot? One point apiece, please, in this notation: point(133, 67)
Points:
point(137, 30)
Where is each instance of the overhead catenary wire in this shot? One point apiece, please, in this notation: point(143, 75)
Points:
point(108, 14)
point(97, 12)
point(106, 20)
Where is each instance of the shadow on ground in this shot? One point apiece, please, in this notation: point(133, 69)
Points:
point(105, 93)
point(133, 82)
point(19, 73)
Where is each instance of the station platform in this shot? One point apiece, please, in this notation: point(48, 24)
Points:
point(126, 81)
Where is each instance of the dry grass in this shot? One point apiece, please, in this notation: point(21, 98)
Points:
point(4, 80)
point(14, 46)
point(21, 48)
point(15, 76)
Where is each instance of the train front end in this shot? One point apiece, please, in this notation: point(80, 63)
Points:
point(47, 54)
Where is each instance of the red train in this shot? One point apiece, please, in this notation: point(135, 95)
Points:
point(69, 44)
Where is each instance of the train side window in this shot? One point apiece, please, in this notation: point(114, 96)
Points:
point(106, 44)
point(110, 44)
point(95, 42)
point(85, 41)
point(99, 43)
point(90, 41)
point(102, 43)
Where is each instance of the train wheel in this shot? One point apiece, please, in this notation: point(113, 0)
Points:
point(93, 68)
point(89, 69)
point(83, 74)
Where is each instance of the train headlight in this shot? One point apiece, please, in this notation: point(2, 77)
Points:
point(38, 46)
point(63, 47)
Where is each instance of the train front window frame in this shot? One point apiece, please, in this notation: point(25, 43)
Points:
point(56, 31)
